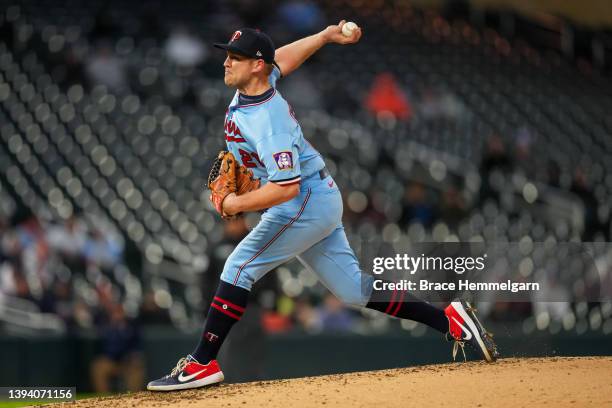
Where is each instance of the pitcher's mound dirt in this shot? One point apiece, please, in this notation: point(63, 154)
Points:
point(533, 382)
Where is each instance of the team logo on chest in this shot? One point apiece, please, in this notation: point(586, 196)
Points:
point(284, 160)
point(232, 132)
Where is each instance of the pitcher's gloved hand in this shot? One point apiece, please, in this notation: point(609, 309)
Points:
point(227, 177)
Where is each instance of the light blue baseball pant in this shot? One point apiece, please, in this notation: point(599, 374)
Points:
point(308, 227)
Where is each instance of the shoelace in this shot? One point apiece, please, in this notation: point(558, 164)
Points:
point(179, 367)
point(456, 346)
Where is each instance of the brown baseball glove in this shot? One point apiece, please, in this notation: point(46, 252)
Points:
point(227, 177)
point(245, 181)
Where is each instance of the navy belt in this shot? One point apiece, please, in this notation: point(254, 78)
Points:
point(323, 173)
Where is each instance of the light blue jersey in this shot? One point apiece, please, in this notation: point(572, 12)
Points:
point(264, 135)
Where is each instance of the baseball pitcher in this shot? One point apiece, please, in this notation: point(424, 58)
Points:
point(270, 166)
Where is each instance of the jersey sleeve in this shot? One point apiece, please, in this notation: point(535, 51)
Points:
point(274, 76)
point(280, 157)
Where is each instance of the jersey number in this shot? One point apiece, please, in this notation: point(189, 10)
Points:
point(248, 157)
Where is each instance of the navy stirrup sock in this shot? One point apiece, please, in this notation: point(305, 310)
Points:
point(402, 304)
point(226, 309)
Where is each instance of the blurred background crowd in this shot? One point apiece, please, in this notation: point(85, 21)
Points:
point(444, 124)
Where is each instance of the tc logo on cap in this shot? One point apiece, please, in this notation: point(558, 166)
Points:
point(236, 36)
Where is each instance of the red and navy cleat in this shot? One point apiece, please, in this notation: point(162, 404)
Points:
point(464, 326)
point(188, 373)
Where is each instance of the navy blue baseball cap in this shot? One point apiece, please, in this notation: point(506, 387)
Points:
point(251, 43)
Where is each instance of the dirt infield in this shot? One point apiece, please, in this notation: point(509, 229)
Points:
point(550, 382)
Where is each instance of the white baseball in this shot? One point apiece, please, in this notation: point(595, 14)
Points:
point(348, 28)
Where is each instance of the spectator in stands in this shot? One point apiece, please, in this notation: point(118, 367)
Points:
point(438, 104)
point(494, 166)
point(523, 140)
point(277, 312)
point(21, 287)
point(104, 68)
point(34, 253)
point(185, 49)
point(102, 248)
point(58, 300)
point(63, 301)
point(151, 313)
point(305, 315)
point(121, 354)
point(301, 17)
point(12, 281)
point(107, 296)
point(429, 107)
point(417, 208)
point(68, 241)
point(334, 316)
point(387, 98)
point(453, 208)
point(452, 108)
point(8, 279)
point(82, 316)
point(75, 71)
point(582, 189)
point(31, 234)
